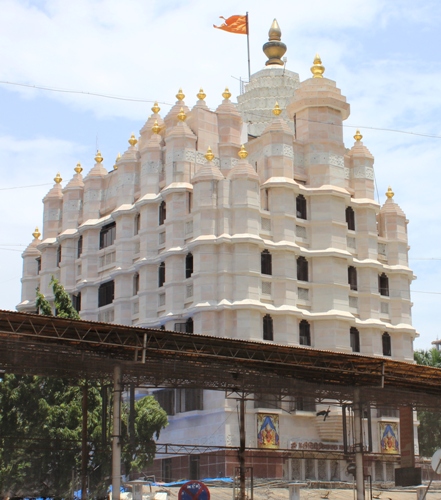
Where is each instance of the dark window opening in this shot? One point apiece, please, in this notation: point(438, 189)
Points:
point(188, 265)
point(268, 328)
point(301, 207)
point(38, 259)
point(161, 274)
point(189, 400)
point(166, 399)
point(266, 263)
point(162, 213)
point(136, 284)
point(354, 335)
point(106, 293)
point(304, 333)
point(350, 218)
point(167, 470)
point(387, 345)
point(190, 202)
point(79, 246)
point(187, 327)
point(194, 467)
point(383, 285)
point(352, 278)
point(295, 125)
point(137, 224)
point(302, 269)
point(76, 301)
point(107, 235)
point(304, 404)
point(59, 256)
point(271, 401)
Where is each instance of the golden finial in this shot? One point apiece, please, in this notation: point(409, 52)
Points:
point(115, 167)
point(78, 169)
point(156, 128)
point(226, 94)
point(155, 108)
point(209, 154)
point(274, 48)
point(133, 140)
point(181, 115)
point(276, 109)
point(36, 234)
point(180, 95)
point(201, 95)
point(58, 178)
point(98, 157)
point(389, 193)
point(317, 69)
point(243, 153)
point(358, 137)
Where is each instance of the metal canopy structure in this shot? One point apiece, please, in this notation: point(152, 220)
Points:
point(42, 345)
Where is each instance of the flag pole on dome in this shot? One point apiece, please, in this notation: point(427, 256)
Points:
point(239, 25)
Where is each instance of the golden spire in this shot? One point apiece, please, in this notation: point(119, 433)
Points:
point(156, 128)
point(78, 169)
point(201, 95)
point(98, 157)
point(358, 137)
point(155, 108)
point(276, 110)
point(36, 234)
point(389, 193)
point(115, 167)
point(226, 94)
point(133, 140)
point(209, 154)
point(180, 95)
point(243, 153)
point(58, 178)
point(181, 115)
point(274, 48)
point(317, 69)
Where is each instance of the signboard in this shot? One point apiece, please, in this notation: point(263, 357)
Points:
point(194, 490)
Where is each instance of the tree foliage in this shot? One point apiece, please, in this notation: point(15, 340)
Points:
point(429, 432)
point(41, 423)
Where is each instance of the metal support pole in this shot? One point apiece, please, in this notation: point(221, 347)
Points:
point(84, 450)
point(242, 448)
point(358, 431)
point(116, 438)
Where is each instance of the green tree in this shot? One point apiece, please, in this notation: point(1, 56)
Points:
point(429, 431)
point(41, 422)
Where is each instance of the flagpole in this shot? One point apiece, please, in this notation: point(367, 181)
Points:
point(248, 47)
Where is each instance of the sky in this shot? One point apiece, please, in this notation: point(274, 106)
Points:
point(383, 54)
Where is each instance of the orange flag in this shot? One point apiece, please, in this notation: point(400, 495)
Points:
point(234, 24)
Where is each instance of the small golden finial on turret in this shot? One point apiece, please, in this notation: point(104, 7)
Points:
point(181, 115)
point(317, 69)
point(209, 154)
point(358, 137)
point(180, 96)
point(118, 157)
point(276, 110)
point(133, 140)
point(58, 178)
point(201, 95)
point(274, 48)
point(36, 234)
point(78, 169)
point(156, 128)
point(243, 153)
point(226, 94)
point(98, 157)
point(389, 193)
point(155, 108)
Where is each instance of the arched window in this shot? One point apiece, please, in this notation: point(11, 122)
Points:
point(137, 224)
point(304, 333)
point(268, 331)
point(136, 284)
point(302, 269)
point(352, 278)
point(387, 344)
point(354, 335)
point(162, 213)
point(161, 274)
point(266, 263)
point(188, 265)
point(383, 285)
point(301, 207)
point(189, 325)
point(350, 218)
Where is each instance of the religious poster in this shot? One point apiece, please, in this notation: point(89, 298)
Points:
point(389, 438)
point(268, 431)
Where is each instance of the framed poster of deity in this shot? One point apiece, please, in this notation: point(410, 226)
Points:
point(268, 431)
point(389, 438)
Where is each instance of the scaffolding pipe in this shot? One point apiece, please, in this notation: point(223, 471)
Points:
point(242, 448)
point(358, 442)
point(116, 438)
